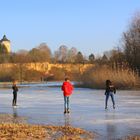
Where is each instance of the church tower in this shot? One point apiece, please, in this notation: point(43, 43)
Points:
point(5, 45)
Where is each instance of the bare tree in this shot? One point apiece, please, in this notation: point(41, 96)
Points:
point(131, 41)
point(71, 55)
point(61, 54)
point(41, 53)
point(91, 58)
point(79, 58)
point(46, 52)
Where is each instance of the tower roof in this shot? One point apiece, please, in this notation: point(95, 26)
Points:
point(4, 39)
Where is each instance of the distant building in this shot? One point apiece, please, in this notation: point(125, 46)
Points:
point(5, 45)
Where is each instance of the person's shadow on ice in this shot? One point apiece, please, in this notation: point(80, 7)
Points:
point(111, 127)
point(67, 120)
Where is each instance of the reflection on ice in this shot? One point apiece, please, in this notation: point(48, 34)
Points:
point(15, 115)
point(44, 105)
point(67, 119)
point(112, 121)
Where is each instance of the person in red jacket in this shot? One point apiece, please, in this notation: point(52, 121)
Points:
point(67, 88)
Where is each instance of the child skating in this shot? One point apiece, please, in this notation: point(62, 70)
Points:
point(67, 88)
point(15, 90)
point(110, 91)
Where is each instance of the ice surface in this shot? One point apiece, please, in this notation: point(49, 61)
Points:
point(43, 104)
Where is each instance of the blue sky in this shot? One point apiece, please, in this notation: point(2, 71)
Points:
point(92, 26)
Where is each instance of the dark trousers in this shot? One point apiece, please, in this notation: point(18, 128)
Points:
point(14, 98)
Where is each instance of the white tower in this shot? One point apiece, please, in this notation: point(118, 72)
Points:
point(5, 45)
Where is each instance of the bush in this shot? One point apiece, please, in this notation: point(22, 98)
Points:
point(20, 73)
point(57, 73)
point(5, 76)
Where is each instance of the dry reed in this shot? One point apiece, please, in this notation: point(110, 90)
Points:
point(122, 78)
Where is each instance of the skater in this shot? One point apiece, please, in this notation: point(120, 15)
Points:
point(67, 91)
point(15, 90)
point(110, 91)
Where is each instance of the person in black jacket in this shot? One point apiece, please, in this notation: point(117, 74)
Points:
point(110, 91)
point(15, 90)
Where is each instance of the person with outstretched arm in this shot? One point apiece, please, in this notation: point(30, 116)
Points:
point(15, 90)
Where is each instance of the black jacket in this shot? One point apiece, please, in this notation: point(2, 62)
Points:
point(15, 88)
point(109, 89)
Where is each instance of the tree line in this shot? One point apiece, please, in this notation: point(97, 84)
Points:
point(42, 53)
point(127, 54)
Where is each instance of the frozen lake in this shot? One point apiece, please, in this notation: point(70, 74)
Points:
point(43, 104)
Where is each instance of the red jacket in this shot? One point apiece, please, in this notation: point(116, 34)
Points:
point(67, 88)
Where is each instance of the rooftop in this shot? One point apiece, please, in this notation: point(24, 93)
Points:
point(4, 39)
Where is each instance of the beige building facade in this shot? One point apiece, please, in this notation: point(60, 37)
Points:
point(5, 45)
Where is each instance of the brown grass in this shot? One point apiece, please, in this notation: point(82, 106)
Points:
point(132, 138)
point(12, 131)
point(96, 77)
point(13, 127)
